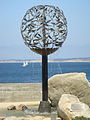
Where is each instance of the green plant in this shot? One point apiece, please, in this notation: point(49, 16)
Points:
point(81, 118)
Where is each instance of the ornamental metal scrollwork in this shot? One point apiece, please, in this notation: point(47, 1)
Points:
point(44, 28)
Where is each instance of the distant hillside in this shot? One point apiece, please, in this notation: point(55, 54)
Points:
point(53, 60)
point(88, 58)
point(74, 59)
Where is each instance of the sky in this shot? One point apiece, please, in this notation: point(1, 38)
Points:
point(77, 44)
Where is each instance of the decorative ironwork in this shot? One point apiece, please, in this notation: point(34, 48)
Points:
point(44, 29)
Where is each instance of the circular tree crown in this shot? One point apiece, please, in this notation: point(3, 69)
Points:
point(44, 29)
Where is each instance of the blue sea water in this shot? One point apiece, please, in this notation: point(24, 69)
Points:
point(15, 73)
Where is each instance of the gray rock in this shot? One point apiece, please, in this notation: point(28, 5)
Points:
point(70, 107)
point(69, 83)
point(11, 107)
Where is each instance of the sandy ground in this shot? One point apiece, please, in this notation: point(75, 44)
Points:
point(4, 105)
point(29, 94)
point(20, 92)
point(20, 115)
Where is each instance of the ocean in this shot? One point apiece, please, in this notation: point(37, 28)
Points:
point(32, 73)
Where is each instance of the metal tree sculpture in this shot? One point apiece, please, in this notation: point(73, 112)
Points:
point(44, 29)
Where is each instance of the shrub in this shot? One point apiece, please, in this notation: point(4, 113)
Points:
point(81, 118)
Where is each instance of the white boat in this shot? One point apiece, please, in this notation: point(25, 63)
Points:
point(25, 64)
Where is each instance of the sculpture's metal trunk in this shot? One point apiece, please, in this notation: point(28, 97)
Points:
point(44, 63)
point(44, 78)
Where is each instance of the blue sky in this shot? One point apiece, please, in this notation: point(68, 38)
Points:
point(76, 45)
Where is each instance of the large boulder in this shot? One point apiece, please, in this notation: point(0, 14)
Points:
point(69, 83)
point(70, 107)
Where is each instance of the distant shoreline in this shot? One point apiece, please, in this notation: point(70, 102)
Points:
point(36, 61)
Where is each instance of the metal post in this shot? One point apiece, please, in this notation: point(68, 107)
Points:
point(44, 63)
point(44, 78)
point(44, 104)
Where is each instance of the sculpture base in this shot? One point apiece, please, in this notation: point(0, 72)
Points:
point(44, 107)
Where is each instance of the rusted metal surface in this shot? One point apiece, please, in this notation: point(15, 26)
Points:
point(44, 51)
point(44, 27)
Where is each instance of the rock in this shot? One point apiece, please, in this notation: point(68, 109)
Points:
point(70, 107)
point(69, 83)
point(2, 118)
point(11, 107)
point(21, 107)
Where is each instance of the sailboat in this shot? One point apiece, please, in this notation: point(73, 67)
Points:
point(25, 64)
